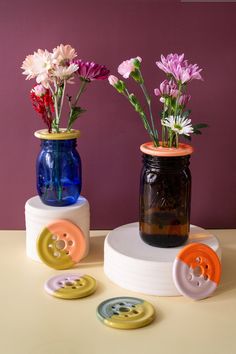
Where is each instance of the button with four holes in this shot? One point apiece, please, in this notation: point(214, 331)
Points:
point(196, 271)
point(61, 244)
point(70, 286)
point(125, 312)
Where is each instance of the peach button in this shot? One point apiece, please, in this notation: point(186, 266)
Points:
point(182, 150)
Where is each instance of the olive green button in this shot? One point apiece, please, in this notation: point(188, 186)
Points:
point(125, 312)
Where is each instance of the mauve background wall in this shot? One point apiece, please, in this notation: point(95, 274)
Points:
point(109, 32)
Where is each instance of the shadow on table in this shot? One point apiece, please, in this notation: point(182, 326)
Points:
point(96, 253)
point(228, 279)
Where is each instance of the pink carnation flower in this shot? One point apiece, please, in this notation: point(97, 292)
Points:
point(127, 67)
point(179, 68)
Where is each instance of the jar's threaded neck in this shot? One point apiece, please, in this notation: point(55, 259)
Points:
point(168, 163)
point(60, 144)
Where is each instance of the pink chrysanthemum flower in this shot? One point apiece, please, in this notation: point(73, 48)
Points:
point(179, 68)
point(184, 99)
point(90, 71)
point(166, 89)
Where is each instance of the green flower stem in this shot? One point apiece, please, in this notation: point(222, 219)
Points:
point(148, 99)
point(61, 102)
point(163, 133)
point(176, 140)
point(81, 90)
point(170, 141)
point(143, 118)
point(54, 123)
point(177, 99)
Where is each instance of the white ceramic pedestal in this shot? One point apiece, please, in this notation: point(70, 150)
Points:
point(39, 215)
point(134, 265)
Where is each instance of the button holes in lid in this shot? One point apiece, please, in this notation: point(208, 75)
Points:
point(205, 277)
point(60, 244)
point(124, 309)
point(56, 254)
point(197, 271)
point(206, 266)
point(70, 243)
point(198, 259)
point(189, 276)
point(64, 235)
point(198, 283)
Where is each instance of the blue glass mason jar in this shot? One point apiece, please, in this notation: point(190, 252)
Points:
point(58, 168)
point(165, 195)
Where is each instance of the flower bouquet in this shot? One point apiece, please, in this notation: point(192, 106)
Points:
point(58, 164)
point(165, 187)
point(53, 71)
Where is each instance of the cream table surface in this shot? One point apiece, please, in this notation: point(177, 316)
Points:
point(33, 322)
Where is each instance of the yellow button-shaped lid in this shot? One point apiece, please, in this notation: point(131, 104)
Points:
point(61, 244)
point(70, 286)
point(125, 312)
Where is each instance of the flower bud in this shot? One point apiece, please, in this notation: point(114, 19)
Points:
point(113, 80)
point(39, 90)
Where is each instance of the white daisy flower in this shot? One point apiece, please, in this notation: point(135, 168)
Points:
point(64, 72)
point(63, 53)
point(178, 124)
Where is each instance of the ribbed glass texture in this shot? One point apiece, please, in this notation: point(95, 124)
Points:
point(165, 198)
point(58, 171)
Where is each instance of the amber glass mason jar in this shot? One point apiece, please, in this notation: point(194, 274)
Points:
point(165, 195)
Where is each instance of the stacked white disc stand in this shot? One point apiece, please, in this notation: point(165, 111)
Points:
point(136, 266)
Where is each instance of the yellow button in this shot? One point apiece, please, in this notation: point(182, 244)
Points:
point(70, 286)
point(61, 244)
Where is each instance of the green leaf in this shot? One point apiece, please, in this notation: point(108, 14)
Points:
point(200, 126)
point(186, 113)
point(188, 137)
point(75, 113)
point(197, 127)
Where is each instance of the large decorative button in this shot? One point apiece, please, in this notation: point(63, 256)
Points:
point(196, 271)
point(125, 312)
point(61, 244)
point(70, 286)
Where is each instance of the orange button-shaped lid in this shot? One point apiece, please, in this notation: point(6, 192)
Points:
point(150, 149)
point(196, 271)
point(61, 244)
